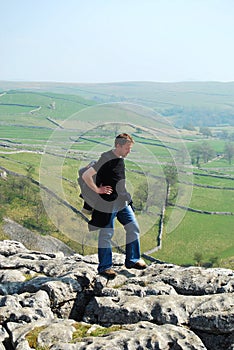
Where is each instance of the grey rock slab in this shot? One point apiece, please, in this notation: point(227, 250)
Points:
point(34, 284)
point(63, 296)
point(162, 307)
point(59, 330)
point(8, 247)
point(19, 332)
point(25, 307)
point(50, 331)
point(193, 280)
point(141, 288)
point(132, 309)
point(7, 276)
point(214, 315)
point(33, 240)
point(144, 335)
point(62, 290)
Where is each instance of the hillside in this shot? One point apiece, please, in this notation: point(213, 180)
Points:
point(45, 136)
point(198, 103)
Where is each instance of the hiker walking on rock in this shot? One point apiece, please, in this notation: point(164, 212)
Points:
point(106, 178)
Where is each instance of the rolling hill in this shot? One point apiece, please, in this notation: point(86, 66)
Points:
point(198, 103)
point(64, 125)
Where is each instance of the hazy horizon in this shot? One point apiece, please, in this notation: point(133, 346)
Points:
point(114, 82)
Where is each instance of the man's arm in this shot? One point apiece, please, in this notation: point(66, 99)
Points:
point(88, 179)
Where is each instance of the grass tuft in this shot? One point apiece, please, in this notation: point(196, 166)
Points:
point(83, 331)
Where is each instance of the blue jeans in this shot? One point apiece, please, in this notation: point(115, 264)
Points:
point(127, 218)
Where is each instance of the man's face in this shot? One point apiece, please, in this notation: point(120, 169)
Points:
point(124, 150)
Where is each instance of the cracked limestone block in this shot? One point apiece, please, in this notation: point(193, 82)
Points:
point(144, 335)
point(215, 315)
point(9, 247)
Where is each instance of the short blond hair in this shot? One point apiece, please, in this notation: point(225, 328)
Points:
point(123, 138)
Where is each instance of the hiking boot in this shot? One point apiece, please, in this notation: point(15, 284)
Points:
point(109, 273)
point(139, 265)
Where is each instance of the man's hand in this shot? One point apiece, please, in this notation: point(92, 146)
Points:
point(105, 190)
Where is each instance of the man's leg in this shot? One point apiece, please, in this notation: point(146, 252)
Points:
point(127, 218)
point(104, 245)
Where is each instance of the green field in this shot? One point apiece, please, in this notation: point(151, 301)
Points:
point(210, 235)
point(63, 131)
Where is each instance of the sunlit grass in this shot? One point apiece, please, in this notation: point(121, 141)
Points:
point(211, 235)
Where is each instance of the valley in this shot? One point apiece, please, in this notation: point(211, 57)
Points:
point(48, 132)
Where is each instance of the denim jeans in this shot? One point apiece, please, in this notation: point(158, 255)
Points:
point(127, 218)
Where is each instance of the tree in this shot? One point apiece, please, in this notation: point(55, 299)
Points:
point(198, 258)
point(229, 151)
point(140, 196)
point(171, 177)
point(196, 154)
point(207, 152)
point(182, 155)
point(171, 174)
point(149, 194)
point(204, 151)
point(205, 131)
point(189, 126)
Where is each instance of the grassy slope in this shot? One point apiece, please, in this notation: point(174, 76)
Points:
point(166, 93)
point(209, 234)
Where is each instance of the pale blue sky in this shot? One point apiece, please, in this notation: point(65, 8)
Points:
point(116, 40)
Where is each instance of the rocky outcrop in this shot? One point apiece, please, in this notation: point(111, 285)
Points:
point(57, 302)
point(33, 240)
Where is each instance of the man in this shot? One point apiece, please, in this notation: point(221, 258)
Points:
point(106, 178)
